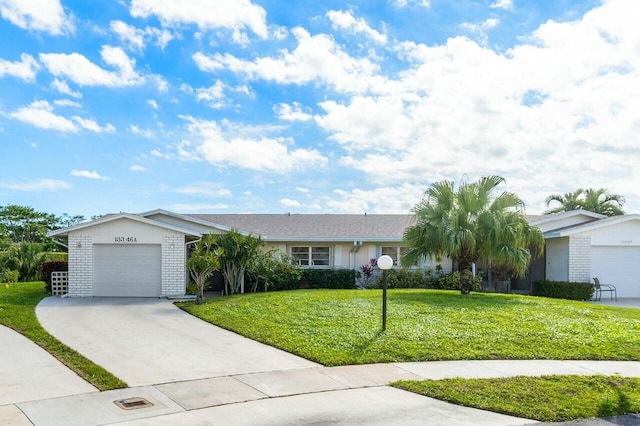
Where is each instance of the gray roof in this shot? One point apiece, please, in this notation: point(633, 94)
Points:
point(345, 227)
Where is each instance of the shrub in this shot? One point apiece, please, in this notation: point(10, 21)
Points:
point(273, 271)
point(192, 289)
point(563, 290)
point(408, 278)
point(48, 267)
point(57, 256)
point(9, 276)
point(328, 278)
point(452, 282)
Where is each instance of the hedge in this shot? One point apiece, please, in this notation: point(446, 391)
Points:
point(563, 290)
point(328, 278)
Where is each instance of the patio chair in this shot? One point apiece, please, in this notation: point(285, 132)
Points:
point(599, 288)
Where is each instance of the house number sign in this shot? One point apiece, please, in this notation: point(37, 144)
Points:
point(125, 239)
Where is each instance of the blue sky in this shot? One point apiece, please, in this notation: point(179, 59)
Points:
point(313, 107)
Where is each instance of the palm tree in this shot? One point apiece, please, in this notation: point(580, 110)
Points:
point(472, 223)
point(595, 200)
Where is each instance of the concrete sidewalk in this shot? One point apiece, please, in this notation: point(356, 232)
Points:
point(318, 395)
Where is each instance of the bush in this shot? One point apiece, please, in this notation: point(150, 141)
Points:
point(57, 256)
point(9, 276)
point(563, 290)
point(192, 289)
point(48, 267)
point(408, 278)
point(452, 282)
point(328, 278)
point(272, 271)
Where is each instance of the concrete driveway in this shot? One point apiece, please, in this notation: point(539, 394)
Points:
point(151, 341)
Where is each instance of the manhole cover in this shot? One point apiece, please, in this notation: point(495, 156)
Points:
point(133, 403)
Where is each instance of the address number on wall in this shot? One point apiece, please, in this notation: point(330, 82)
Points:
point(125, 239)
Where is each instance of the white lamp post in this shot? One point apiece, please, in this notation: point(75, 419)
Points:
point(384, 263)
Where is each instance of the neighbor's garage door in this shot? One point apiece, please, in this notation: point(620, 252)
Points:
point(127, 270)
point(619, 266)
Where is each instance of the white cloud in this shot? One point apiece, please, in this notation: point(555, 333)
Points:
point(90, 124)
point(40, 114)
point(204, 189)
point(287, 202)
point(480, 28)
point(405, 3)
point(234, 15)
point(347, 22)
point(80, 70)
point(137, 168)
point(463, 108)
point(381, 199)
point(213, 95)
point(62, 87)
point(136, 39)
point(152, 103)
point(502, 4)
point(36, 185)
point(88, 174)
point(294, 112)
point(316, 58)
point(190, 208)
point(303, 190)
point(210, 142)
point(67, 103)
point(25, 69)
point(137, 130)
point(37, 15)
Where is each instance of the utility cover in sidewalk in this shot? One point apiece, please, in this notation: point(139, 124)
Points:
point(133, 403)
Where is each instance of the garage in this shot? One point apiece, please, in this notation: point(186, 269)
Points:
point(128, 270)
point(617, 265)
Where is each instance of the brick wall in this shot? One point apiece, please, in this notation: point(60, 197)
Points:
point(173, 265)
point(579, 259)
point(80, 266)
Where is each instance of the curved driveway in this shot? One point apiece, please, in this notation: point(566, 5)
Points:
point(151, 341)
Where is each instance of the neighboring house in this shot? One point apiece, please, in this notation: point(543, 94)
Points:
point(145, 255)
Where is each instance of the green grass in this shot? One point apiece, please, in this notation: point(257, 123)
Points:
point(547, 398)
point(339, 327)
point(18, 311)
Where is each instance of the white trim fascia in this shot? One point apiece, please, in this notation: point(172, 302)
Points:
point(590, 226)
point(112, 217)
point(564, 215)
point(194, 220)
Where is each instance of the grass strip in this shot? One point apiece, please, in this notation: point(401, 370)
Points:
point(18, 311)
point(546, 398)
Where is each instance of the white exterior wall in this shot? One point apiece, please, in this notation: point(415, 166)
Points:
point(557, 256)
point(579, 258)
point(80, 265)
point(81, 253)
point(173, 265)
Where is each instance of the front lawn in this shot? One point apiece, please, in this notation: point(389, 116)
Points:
point(546, 398)
point(18, 311)
point(339, 327)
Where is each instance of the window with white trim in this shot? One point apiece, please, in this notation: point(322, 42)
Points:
point(396, 253)
point(311, 256)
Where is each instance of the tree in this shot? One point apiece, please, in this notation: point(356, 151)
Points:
point(30, 257)
point(203, 261)
point(238, 251)
point(26, 225)
point(472, 223)
point(595, 200)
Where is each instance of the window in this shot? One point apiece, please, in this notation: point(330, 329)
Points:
point(395, 253)
point(311, 256)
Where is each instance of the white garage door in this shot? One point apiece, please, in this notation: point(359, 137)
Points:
point(127, 270)
point(619, 266)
